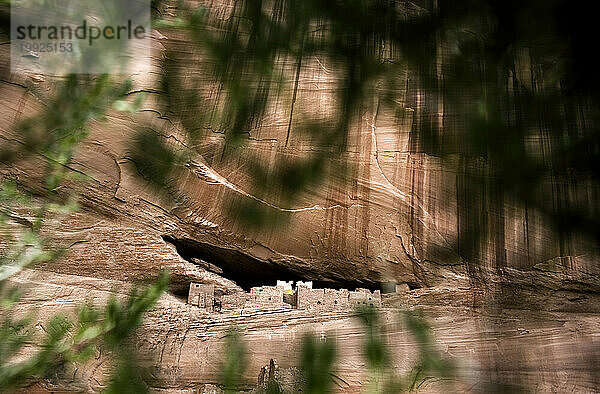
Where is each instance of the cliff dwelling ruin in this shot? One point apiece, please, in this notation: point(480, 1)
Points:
point(281, 296)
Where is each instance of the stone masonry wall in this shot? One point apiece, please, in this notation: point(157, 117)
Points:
point(281, 296)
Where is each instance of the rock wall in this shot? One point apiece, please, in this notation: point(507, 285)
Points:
point(395, 218)
point(525, 311)
point(515, 349)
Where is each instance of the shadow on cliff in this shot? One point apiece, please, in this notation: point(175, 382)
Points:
point(248, 271)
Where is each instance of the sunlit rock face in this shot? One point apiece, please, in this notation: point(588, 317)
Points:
point(385, 212)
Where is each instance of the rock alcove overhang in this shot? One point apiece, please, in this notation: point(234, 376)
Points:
point(248, 271)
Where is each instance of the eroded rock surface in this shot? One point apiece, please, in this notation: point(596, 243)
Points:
point(525, 313)
point(182, 345)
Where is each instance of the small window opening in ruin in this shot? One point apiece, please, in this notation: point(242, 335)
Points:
point(318, 302)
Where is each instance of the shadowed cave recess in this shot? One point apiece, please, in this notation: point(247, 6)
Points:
point(248, 271)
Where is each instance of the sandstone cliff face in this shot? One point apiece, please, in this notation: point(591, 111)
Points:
point(182, 344)
point(395, 214)
point(518, 313)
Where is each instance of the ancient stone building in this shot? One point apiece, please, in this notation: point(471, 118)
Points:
point(364, 297)
point(307, 284)
point(334, 299)
point(307, 297)
point(286, 286)
point(235, 301)
point(266, 295)
point(202, 295)
point(327, 299)
point(282, 296)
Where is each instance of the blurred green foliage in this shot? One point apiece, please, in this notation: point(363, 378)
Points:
point(502, 92)
point(68, 342)
point(317, 363)
point(235, 361)
point(382, 378)
point(27, 356)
